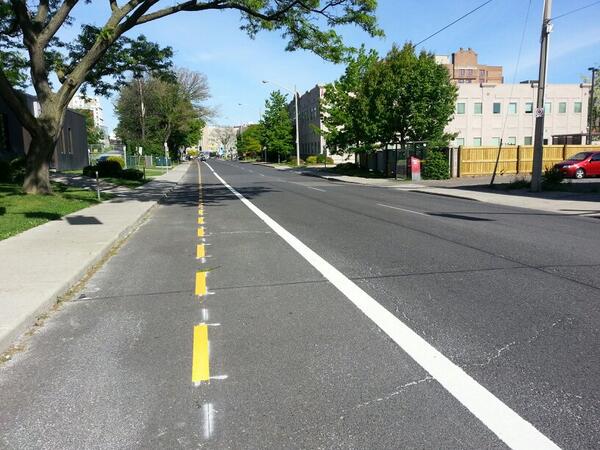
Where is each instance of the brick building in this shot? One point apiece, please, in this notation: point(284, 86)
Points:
point(463, 67)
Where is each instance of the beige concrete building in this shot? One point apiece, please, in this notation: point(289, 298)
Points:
point(464, 68)
point(486, 113)
point(309, 118)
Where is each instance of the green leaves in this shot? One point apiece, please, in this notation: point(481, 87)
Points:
point(276, 126)
point(411, 97)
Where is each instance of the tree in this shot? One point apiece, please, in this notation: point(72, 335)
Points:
point(277, 130)
point(94, 133)
point(99, 52)
point(346, 123)
point(411, 98)
point(249, 141)
point(226, 137)
point(153, 111)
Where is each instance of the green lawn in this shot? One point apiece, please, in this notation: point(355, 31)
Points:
point(19, 212)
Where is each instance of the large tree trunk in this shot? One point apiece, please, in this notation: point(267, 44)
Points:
point(41, 149)
point(37, 176)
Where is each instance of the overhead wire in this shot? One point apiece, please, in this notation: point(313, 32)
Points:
point(452, 23)
point(568, 13)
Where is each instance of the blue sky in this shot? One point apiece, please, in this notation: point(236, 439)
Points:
point(211, 42)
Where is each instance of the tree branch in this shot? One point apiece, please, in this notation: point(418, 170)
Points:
point(15, 102)
point(56, 22)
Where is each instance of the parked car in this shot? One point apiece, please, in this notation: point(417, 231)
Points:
point(581, 165)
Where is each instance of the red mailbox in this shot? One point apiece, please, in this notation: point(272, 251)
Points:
point(414, 164)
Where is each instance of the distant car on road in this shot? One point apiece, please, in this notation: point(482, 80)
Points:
point(581, 165)
point(202, 157)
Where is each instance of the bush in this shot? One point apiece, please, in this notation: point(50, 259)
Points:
point(435, 166)
point(109, 168)
point(292, 162)
point(117, 159)
point(312, 159)
point(89, 171)
point(552, 177)
point(5, 175)
point(346, 167)
point(132, 174)
point(321, 159)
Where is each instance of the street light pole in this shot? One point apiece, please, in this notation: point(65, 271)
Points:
point(297, 128)
point(295, 94)
point(538, 144)
point(591, 107)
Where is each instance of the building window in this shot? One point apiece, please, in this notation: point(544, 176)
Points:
point(497, 108)
point(482, 74)
point(562, 107)
point(547, 108)
point(512, 108)
point(577, 107)
point(528, 140)
point(70, 141)
point(528, 108)
point(462, 72)
point(459, 141)
point(477, 142)
point(460, 108)
point(478, 108)
point(511, 140)
point(496, 141)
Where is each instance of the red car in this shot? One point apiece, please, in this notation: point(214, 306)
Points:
point(581, 165)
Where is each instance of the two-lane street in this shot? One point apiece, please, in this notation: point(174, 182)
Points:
point(260, 308)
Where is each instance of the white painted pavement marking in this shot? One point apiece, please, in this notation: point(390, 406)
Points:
point(505, 423)
point(402, 209)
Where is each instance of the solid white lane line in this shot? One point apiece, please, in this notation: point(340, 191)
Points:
point(316, 189)
point(405, 210)
point(505, 423)
point(262, 174)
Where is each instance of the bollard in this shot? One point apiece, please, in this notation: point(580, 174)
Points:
point(97, 185)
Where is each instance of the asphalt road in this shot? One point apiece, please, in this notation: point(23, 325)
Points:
point(507, 296)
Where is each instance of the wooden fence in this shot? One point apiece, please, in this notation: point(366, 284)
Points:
point(514, 159)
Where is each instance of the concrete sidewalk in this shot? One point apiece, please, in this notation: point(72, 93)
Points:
point(558, 202)
point(42, 263)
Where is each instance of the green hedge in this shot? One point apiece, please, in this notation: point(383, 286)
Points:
point(435, 166)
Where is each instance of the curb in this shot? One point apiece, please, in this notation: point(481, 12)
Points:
point(440, 194)
point(12, 337)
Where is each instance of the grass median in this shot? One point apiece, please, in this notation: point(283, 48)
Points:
point(20, 212)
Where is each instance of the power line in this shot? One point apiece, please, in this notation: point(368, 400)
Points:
point(575, 10)
point(457, 20)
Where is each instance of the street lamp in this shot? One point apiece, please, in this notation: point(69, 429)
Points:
point(295, 94)
point(591, 107)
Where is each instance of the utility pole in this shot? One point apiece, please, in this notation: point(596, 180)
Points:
point(538, 143)
point(591, 107)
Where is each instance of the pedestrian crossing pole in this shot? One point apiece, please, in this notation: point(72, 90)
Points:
point(538, 143)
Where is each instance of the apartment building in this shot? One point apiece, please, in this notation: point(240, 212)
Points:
point(89, 103)
point(464, 68)
point(486, 113)
point(309, 119)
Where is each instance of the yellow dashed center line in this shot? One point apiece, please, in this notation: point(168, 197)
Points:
point(200, 253)
point(200, 359)
point(200, 231)
point(200, 221)
point(200, 283)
